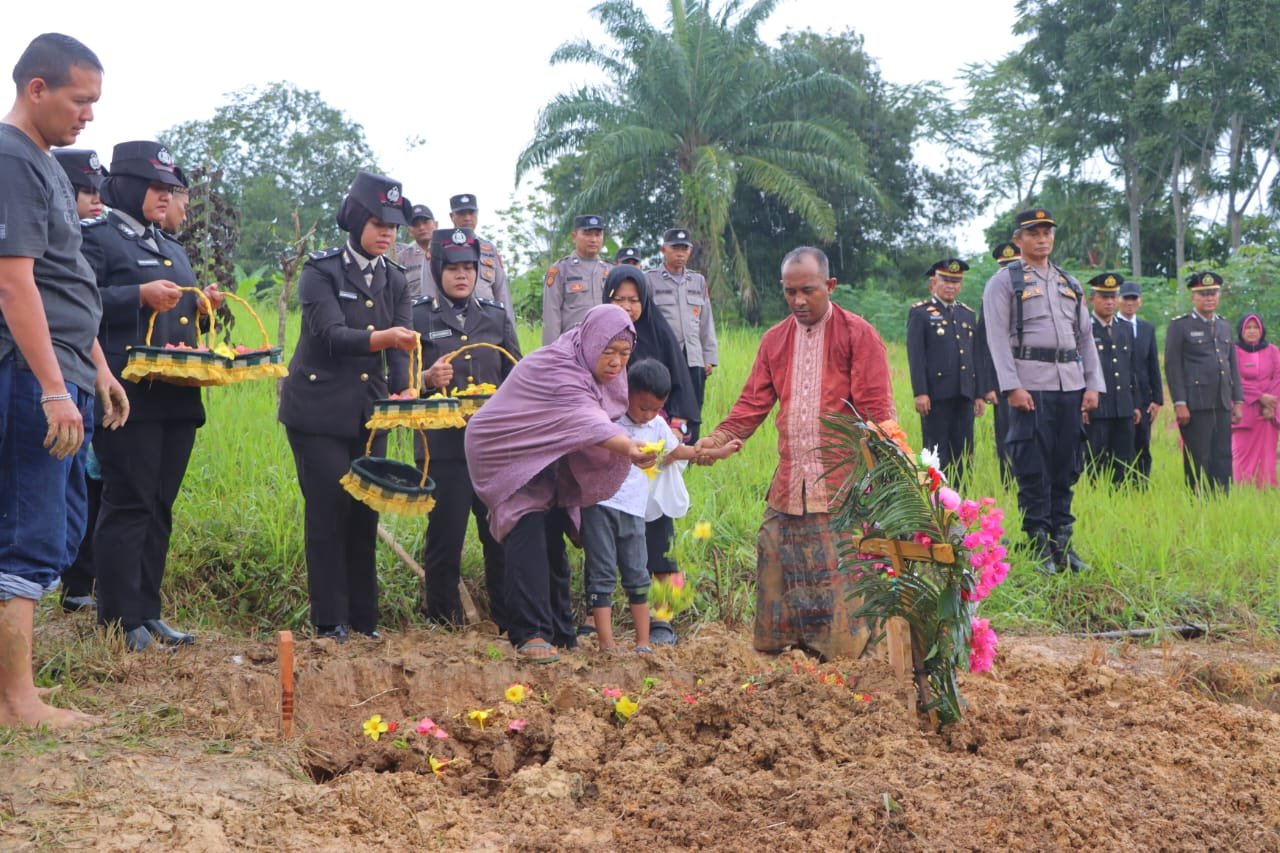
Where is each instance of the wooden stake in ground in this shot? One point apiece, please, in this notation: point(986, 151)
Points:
point(285, 659)
point(468, 605)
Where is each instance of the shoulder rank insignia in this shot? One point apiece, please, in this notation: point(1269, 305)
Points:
point(323, 253)
point(392, 263)
point(491, 303)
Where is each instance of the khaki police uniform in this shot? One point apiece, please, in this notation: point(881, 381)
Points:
point(685, 302)
point(573, 286)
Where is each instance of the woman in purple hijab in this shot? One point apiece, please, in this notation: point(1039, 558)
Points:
point(542, 448)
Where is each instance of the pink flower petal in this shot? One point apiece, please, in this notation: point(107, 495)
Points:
point(517, 725)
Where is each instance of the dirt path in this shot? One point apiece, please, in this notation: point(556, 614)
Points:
point(1069, 745)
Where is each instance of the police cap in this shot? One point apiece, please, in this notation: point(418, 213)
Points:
point(420, 211)
point(455, 246)
point(82, 166)
point(148, 160)
point(588, 222)
point(1130, 288)
point(949, 268)
point(1202, 281)
point(1033, 217)
point(464, 201)
point(629, 255)
point(1107, 282)
point(378, 196)
point(1006, 252)
point(677, 237)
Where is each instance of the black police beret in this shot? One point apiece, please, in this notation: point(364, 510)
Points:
point(459, 203)
point(948, 268)
point(148, 160)
point(1034, 216)
point(587, 222)
point(420, 211)
point(629, 253)
point(1006, 252)
point(1130, 288)
point(376, 195)
point(1204, 281)
point(1107, 282)
point(676, 237)
point(82, 166)
point(455, 246)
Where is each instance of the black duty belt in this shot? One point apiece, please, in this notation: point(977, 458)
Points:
point(1053, 356)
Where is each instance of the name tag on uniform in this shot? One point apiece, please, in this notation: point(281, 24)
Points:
point(150, 263)
point(348, 294)
point(1197, 334)
point(440, 333)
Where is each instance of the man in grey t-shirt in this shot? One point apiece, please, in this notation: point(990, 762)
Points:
point(51, 365)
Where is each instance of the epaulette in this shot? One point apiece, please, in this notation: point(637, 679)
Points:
point(965, 307)
point(325, 253)
point(93, 223)
point(921, 303)
point(395, 264)
point(421, 300)
point(492, 303)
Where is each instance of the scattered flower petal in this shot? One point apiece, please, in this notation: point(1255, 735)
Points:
point(702, 530)
point(625, 707)
point(437, 764)
point(479, 716)
point(517, 725)
point(515, 694)
point(374, 727)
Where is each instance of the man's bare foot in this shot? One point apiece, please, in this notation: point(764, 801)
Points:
point(33, 713)
point(46, 692)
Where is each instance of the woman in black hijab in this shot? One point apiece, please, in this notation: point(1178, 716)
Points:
point(626, 288)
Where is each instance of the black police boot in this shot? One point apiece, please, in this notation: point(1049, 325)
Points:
point(332, 632)
point(73, 603)
point(1067, 558)
point(167, 635)
point(137, 639)
point(1042, 551)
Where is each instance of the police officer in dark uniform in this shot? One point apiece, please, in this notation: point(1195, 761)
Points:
point(1204, 382)
point(1041, 344)
point(574, 284)
point(1146, 364)
point(942, 360)
point(988, 385)
point(357, 314)
point(464, 212)
point(141, 271)
point(85, 172)
point(448, 322)
point(630, 255)
point(1110, 427)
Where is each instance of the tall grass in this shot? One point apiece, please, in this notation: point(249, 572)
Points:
point(1160, 555)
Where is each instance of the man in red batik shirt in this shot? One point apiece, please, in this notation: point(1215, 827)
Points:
point(815, 362)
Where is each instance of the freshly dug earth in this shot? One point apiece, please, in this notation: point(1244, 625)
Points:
point(1066, 745)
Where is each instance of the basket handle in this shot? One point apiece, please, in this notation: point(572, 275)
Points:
point(208, 307)
point(451, 356)
point(266, 340)
point(415, 367)
point(426, 451)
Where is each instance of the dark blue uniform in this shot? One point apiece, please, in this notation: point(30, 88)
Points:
point(1146, 366)
point(943, 363)
point(324, 403)
point(144, 461)
point(1200, 362)
point(1111, 429)
point(443, 331)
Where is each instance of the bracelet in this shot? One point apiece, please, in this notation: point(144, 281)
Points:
point(53, 398)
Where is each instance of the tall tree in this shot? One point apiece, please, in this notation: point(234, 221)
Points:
point(707, 101)
point(278, 148)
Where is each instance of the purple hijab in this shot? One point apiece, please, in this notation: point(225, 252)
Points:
point(533, 444)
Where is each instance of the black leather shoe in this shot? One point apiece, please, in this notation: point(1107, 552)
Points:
point(1042, 552)
point(1071, 560)
point(332, 632)
point(73, 603)
point(372, 635)
point(167, 635)
point(137, 639)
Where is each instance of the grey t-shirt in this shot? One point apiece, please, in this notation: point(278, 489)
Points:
point(38, 220)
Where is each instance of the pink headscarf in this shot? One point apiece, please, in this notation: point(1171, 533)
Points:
point(533, 444)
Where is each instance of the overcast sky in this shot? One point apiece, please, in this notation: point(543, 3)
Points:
point(466, 78)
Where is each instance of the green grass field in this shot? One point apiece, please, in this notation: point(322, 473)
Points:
point(1160, 556)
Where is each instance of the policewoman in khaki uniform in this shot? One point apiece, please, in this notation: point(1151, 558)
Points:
point(574, 284)
point(1204, 383)
point(354, 349)
point(140, 272)
point(942, 356)
point(455, 318)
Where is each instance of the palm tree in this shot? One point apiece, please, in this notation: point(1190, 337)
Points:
point(708, 101)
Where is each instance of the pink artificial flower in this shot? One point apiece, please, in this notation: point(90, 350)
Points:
point(949, 498)
point(677, 580)
point(425, 726)
point(690, 698)
point(982, 649)
point(517, 725)
point(921, 539)
point(968, 512)
point(439, 733)
point(611, 693)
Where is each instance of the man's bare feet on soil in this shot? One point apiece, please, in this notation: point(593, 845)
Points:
point(32, 712)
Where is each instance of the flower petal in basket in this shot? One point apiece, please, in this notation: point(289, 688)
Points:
point(437, 412)
point(177, 366)
point(389, 486)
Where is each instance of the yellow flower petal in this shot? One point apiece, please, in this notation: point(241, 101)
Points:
point(437, 764)
point(625, 707)
point(702, 530)
point(479, 716)
point(515, 694)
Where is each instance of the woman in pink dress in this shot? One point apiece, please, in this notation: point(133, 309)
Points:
point(1254, 439)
